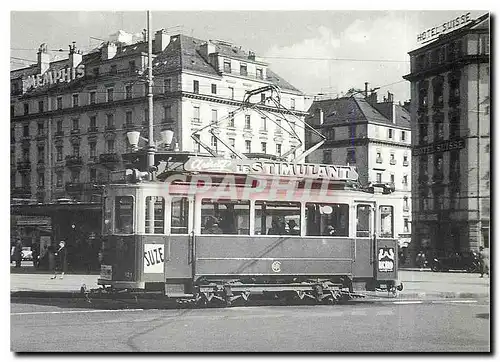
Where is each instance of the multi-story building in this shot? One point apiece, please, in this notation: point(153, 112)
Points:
point(450, 92)
point(373, 136)
point(69, 118)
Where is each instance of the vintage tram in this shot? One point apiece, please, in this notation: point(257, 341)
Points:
point(209, 229)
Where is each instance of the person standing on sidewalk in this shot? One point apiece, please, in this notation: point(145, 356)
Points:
point(18, 253)
point(61, 255)
point(484, 261)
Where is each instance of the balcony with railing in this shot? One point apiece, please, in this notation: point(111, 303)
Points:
point(21, 192)
point(92, 130)
point(74, 161)
point(109, 158)
point(24, 165)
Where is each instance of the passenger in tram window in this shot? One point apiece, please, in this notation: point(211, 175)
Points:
point(277, 227)
point(291, 228)
point(211, 226)
point(329, 231)
point(227, 223)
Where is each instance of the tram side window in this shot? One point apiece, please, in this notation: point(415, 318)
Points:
point(155, 215)
point(225, 217)
point(277, 218)
point(124, 214)
point(363, 213)
point(327, 219)
point(179, 215)
point(386, 222)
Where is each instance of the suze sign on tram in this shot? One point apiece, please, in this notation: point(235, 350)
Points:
point(271, 168)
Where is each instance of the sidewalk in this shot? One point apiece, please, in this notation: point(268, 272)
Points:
point(417, 285)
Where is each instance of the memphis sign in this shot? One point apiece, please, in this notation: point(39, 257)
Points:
point(271, 168)
point(64, 75)
point(443, 28)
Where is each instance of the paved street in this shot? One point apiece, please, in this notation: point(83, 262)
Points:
point(445, 325)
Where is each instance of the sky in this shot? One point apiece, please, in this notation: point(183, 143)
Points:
point(319, 52)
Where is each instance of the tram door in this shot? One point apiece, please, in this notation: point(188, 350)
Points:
point(364, 239)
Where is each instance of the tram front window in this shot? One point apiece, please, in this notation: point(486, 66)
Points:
point(386, 222)
point(124, 211)
point(277, 218)
point(363, 213)
point(179, 215)
point(327, 219)
point(225, 217)
point(155, 215)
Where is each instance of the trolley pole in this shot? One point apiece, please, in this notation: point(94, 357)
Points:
point(151, 144)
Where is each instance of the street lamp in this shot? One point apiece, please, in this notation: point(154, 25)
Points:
point(166, 137)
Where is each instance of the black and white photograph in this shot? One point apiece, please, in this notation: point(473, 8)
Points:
point(261, 180)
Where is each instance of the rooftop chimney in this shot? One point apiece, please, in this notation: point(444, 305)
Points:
point(108, 51)
point(43, 58)
point(161, 41)
point(75, 56)
point(366, 89)
point(321, 120)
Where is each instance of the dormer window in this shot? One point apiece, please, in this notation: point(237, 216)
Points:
point(259, 74)
point(227, 66)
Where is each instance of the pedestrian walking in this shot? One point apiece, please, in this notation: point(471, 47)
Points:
point(61, 259)
point(18, 253)
point(484, 262)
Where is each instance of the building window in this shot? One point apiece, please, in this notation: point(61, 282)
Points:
point(262, 97)
point(258, 73)
point(405, 180)
point(41, 180)
point(93, 175)
point(327, 157)
point(214, 115)
point(128, 91)
point(110, 146)
point(248, 146)
point(109, 94)
point(484, 44)
point(231, 120)
point(59, 103)
point(75, 100)
point(393, 180)
point(95, 71)
point(243, 69)
point(232, 142)
point(278, 125)
point(146, 89)
point(405, 160)
point(351, 156)
point(26, 130)
point(423, 134)
point(128, 118)
point(263, 123)
point(76, 125)
point(406, 225)
point(231, 92)
point(213, 142)
point(40, 129)
point(40, 106)
point(438, 131)
point(403, 136)
point(196, 114)
point(93, 121)
point(167, 85)
point(26, 154)
point(379, 157)
point(278, 150)
point(247, 121)
point(113, 69)
point(59, 153)
point(92, 97)
point(263, 147)
point(41, 154)
point(59, 179)
point(292, 104)
point(392, 160)
point(390, 133)
point(146, 115)
point(76, 150)
point(92, 147)
point(196, 86)
point(227, 66)
point(59, 126)
point(196, 143)
point(379, 177)
point(26, 108)
point(75, 176)
point(131, 66)
point(167, 111)
point(110, 120)
point(214, 88)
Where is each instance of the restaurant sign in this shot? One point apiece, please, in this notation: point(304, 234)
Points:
point(64, 75)
point(443, 28)
point(439, 147)
point(271, 168)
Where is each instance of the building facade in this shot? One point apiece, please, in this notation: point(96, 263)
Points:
point(450, 88)
point(373, 136)
point(69, 118)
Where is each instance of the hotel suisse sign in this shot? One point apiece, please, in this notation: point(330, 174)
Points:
point(439, 147)
point(443, 28)
point(271, 168)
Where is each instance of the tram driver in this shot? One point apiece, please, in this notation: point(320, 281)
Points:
point(211, 226)
point(277, 227)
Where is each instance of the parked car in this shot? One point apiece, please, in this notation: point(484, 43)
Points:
point(468, 261)
point(27, 253)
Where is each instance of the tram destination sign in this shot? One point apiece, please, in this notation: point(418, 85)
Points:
point(271, 168)
point(439, 147)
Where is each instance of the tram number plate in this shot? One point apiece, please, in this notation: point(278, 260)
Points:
point(386, 259)
point(154, 258)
